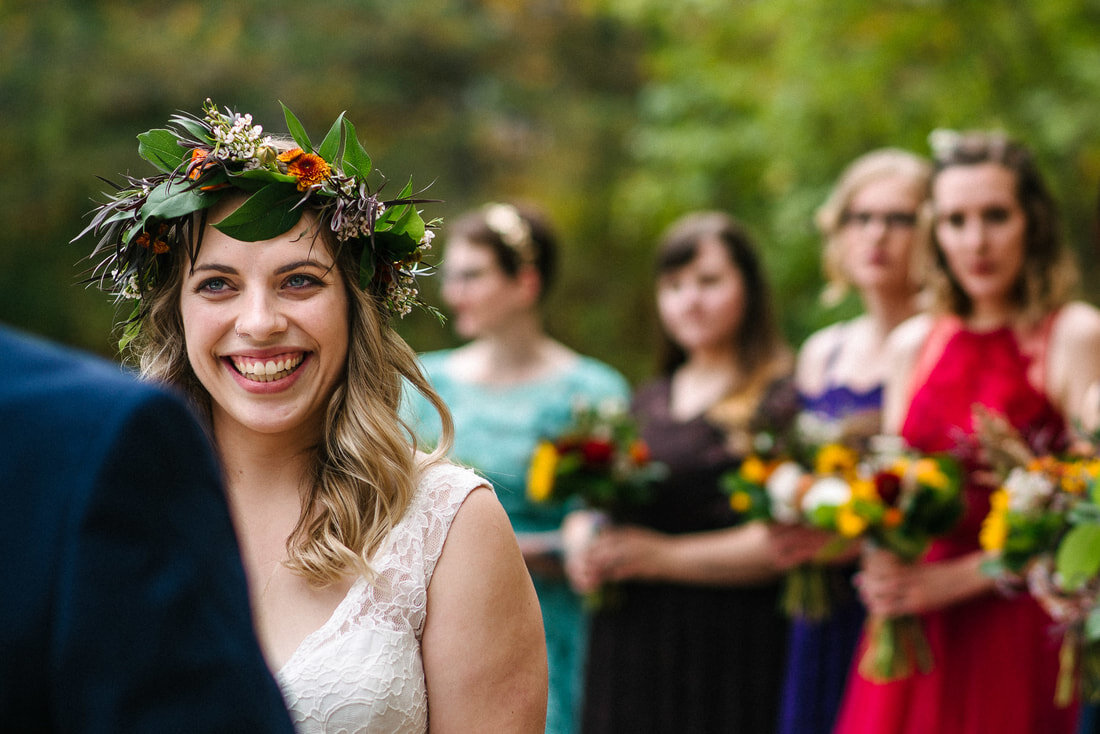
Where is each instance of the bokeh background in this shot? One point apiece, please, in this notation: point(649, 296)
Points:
point(615, 115)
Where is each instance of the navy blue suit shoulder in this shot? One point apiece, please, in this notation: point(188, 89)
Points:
point(131, 611)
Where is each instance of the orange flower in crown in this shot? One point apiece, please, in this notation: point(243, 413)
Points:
point(309, 168)
point(200, 159)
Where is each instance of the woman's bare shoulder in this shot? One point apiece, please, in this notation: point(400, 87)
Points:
point(1077, 322)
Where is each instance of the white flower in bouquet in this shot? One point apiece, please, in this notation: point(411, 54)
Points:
point(1027, 491)
point(886, 451)
point(610, 408)
point(826, 492)
point(782, 488)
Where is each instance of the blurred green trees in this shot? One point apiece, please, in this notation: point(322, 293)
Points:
point(616, 115)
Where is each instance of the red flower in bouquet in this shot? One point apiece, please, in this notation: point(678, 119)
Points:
point(599, 459)
point(598, 452)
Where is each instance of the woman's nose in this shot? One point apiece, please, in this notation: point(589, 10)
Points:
point(260, 317)
point(974, 233)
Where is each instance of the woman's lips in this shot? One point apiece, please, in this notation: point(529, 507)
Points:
point(270, 369)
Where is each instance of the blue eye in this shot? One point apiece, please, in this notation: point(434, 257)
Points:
point(212, 285)
point(301, 280)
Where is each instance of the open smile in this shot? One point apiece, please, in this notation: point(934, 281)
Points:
point(267, 370)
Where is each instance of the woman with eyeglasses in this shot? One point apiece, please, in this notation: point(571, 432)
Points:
point(869, 223)
point(1002, 334)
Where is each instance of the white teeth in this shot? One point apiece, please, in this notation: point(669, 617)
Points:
point(267, 371)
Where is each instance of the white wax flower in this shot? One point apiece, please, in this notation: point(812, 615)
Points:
point(782, 489)
point(826, 492)
point(1027, 491)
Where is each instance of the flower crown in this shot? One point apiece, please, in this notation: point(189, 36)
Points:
point(201, 160)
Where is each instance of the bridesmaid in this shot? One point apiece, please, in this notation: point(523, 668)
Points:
point(869, 223)
point(1002, 334)
point(510, 385)
point(693, 640)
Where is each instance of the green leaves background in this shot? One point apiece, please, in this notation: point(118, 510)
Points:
point(616, 115)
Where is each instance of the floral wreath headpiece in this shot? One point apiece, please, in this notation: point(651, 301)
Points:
point(202, 159)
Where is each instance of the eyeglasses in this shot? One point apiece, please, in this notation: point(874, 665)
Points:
point(889, 220)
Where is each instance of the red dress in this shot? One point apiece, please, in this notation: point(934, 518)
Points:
point(995, 658)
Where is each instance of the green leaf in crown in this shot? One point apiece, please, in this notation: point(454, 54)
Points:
point(200, 160)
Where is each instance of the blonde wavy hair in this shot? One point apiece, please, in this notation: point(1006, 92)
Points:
point(365, 464)
point(865, 170)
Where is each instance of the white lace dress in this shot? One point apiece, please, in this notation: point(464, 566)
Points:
point(362, 671)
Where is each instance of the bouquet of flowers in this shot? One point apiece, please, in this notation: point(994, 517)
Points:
point(788, 491)
point(1044, 527)
point(905, 502)
point(891, 498)
point(600, 460)
point(1029, 514)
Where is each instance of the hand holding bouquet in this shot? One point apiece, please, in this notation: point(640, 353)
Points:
point(900, 503)
point(785, 492)
point(1044, 526)
point(600, 462)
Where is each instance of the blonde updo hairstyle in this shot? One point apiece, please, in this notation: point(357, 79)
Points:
point(864, 171)
point(365, 468)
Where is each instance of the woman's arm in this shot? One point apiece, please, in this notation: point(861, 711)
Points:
point(483, 646)
point(1074, 361)
point(813, 357)
point(727, 557)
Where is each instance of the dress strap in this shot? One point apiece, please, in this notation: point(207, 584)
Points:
point(1036, 345)
point(943, 328)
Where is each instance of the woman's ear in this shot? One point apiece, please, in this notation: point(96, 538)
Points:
point(529, 281)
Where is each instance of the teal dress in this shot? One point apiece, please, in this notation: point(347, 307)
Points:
point(496, 429)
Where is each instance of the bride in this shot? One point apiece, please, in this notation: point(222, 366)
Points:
point(388, 590)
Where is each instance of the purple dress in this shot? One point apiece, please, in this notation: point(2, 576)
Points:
point(820, 651)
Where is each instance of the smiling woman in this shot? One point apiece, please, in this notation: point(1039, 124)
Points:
point(258, 326)
point(264, 281)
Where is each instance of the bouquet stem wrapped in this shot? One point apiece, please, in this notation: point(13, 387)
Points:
point(896, 648)
point(806, 592)
point(927, 502)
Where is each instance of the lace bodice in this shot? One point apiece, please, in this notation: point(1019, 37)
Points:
point(362, 670)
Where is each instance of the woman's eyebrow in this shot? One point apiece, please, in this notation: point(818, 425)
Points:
point(302, 264)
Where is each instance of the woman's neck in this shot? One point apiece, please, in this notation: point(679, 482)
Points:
point(701, 381)
point(517, 353)
point(703, 362)
point(988, 315)
point(263, 473)
point(885, 310)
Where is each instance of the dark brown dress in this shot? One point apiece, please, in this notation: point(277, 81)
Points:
point(680, 658)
